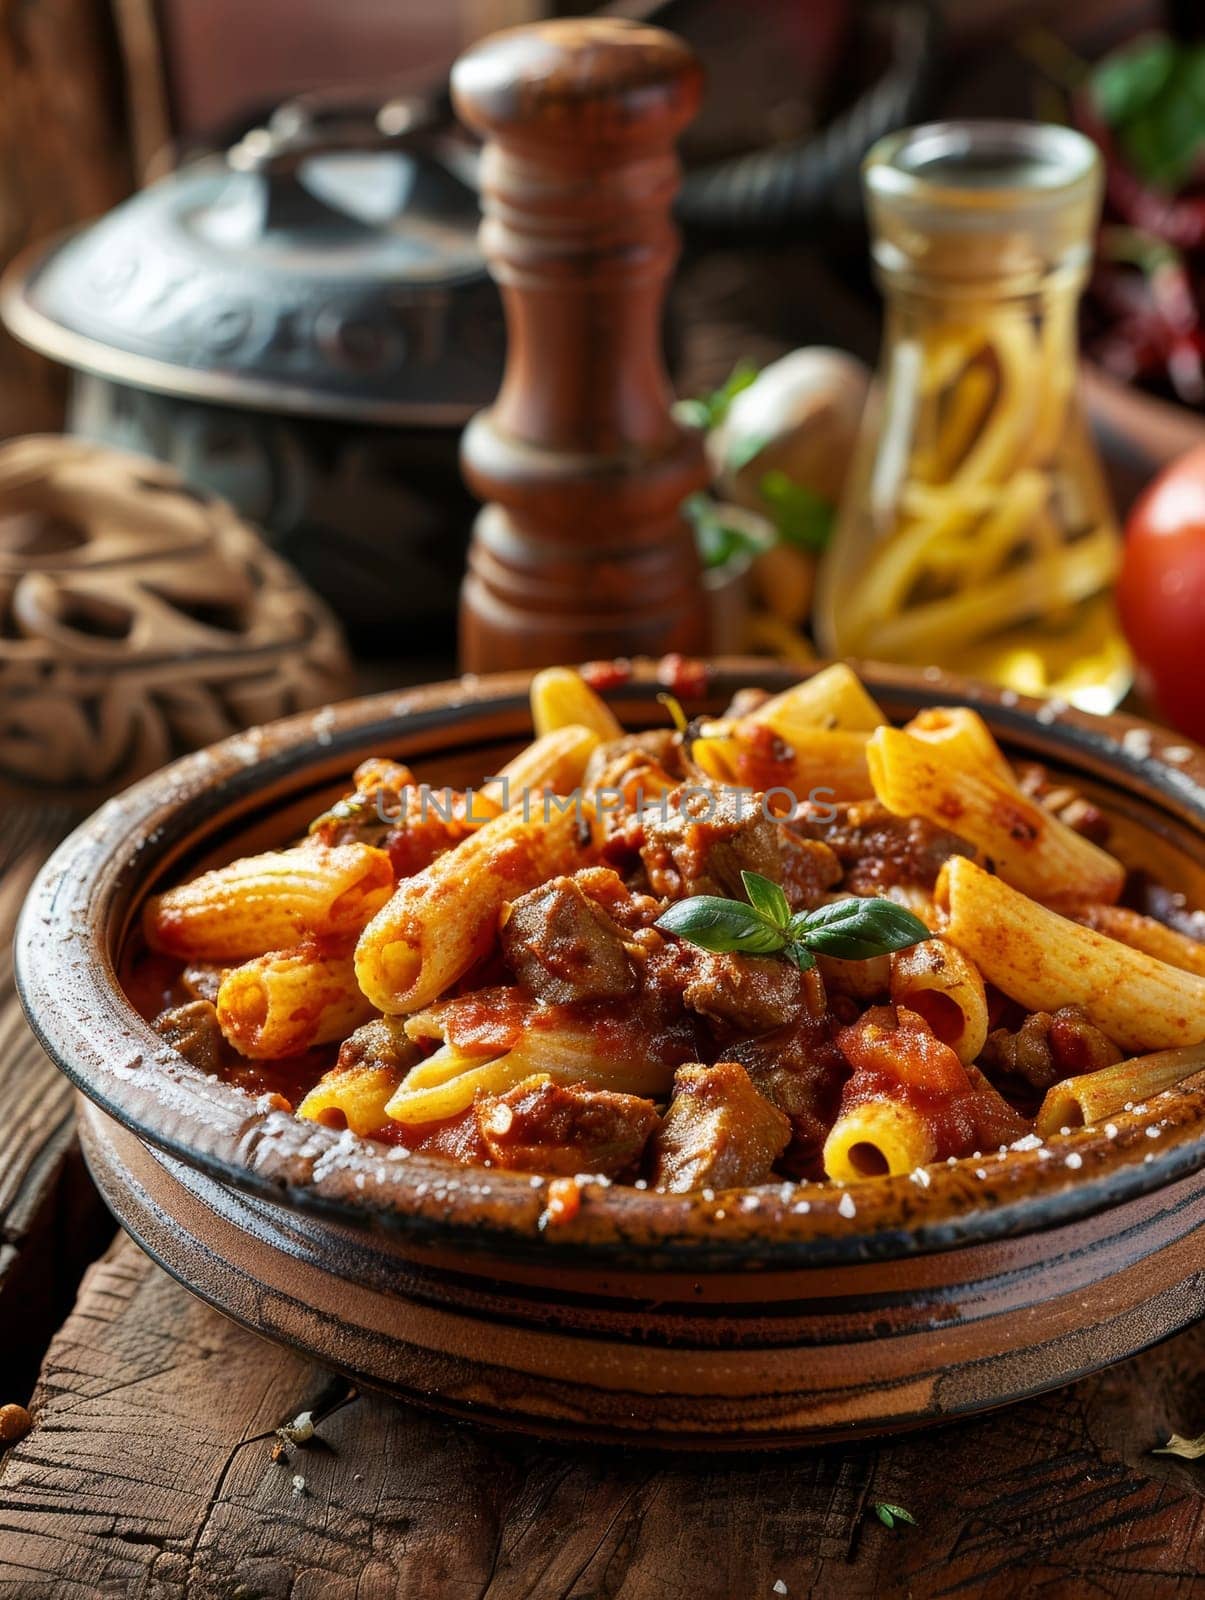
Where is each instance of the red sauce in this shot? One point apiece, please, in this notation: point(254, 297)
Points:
point(765, 760)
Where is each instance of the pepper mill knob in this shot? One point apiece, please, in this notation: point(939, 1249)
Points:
point(580, 550)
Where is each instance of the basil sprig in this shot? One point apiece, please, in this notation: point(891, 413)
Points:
point(854, 929)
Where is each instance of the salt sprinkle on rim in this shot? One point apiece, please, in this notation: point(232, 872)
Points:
point(1074, 1161)
point(847, 1208)
point(1028, 1141)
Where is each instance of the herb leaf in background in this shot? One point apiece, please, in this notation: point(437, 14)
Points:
point(1129, 80)
point(709, 410)
point(724, 532)
point(1152, 95)
point(854, 929)
point(889, 1515)
point(801, 516)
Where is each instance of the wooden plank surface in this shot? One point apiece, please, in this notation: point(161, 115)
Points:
point(149, 1474)
point(51, 1221)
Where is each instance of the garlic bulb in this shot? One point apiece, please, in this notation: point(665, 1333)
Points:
point(799, 416)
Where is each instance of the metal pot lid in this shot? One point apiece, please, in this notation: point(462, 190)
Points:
point(327, 265)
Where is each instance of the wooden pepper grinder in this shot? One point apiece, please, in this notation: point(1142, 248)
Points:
point(580, 550)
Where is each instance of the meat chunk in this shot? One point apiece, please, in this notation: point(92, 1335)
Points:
point(657, 750)
point(800, 1070)
point(703, 839)
point(749, 993)
point(379, 1044)
point(718, 1131)
point(877, 849)
point(1047, 1047)
point(193, 1030)
point(565, 1129)
point(562, 946)
point(1064, 801)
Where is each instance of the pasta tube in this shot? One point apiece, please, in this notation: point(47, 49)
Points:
point(1145, 933)
point(830, 762)
point(962, 736)
point(1082, 1101)
point(876, 1138)
point(280, 1004)
point(1044, 960)
point(1030, 849)
point(567, 1052)
point(834, 698)
point(937, 982)
point(555, 763)
point(561, 698)
point(352, 1097)
point(444, 919)
point(270, 902)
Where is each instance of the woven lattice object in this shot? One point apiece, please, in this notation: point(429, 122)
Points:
point(139, 618)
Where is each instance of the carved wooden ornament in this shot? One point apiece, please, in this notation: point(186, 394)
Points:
point(139, 618)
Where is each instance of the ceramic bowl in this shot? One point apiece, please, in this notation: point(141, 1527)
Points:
point(746, 1319)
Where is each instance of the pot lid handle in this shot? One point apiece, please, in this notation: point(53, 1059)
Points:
point(326, 122)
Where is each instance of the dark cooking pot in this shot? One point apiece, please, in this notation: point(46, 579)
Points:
point(303, 325)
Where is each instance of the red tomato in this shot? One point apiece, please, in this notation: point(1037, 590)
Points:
point(1161, 593)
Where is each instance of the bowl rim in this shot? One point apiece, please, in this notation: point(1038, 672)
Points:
point(79, 906)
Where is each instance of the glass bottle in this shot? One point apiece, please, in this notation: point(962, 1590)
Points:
point(975, 531)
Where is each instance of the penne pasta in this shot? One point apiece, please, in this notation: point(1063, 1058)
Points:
point(561, 698)
point(937, 982)
point(1029, 848)
point(644, 956)
point(1044, 960)
point(352, 1097)
point(444, 919)
point(920, 902)
point(962, 736)
point(1144, 933)
point(280, 1004)
point(829, 762)
point(555, 763)
point(449, 1081)
point(270, 902)
point(1089, 1099)
point(878, 1138)
point(833, 698)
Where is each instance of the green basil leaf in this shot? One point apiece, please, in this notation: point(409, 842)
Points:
point(1129, 80)
point(721, 926)
point(767, 897)
point(709, 410)
point(800, 955)
point(718, 539)
point(801, 516)
point(857, 929)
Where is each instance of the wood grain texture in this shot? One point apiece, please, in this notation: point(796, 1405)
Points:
point(51, 1219)
point(62, 159)
point(149, 1475)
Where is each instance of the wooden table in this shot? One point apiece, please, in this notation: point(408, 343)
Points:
point(149, 1471)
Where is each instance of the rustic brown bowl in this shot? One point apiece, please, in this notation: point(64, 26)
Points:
point(749, 1318)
